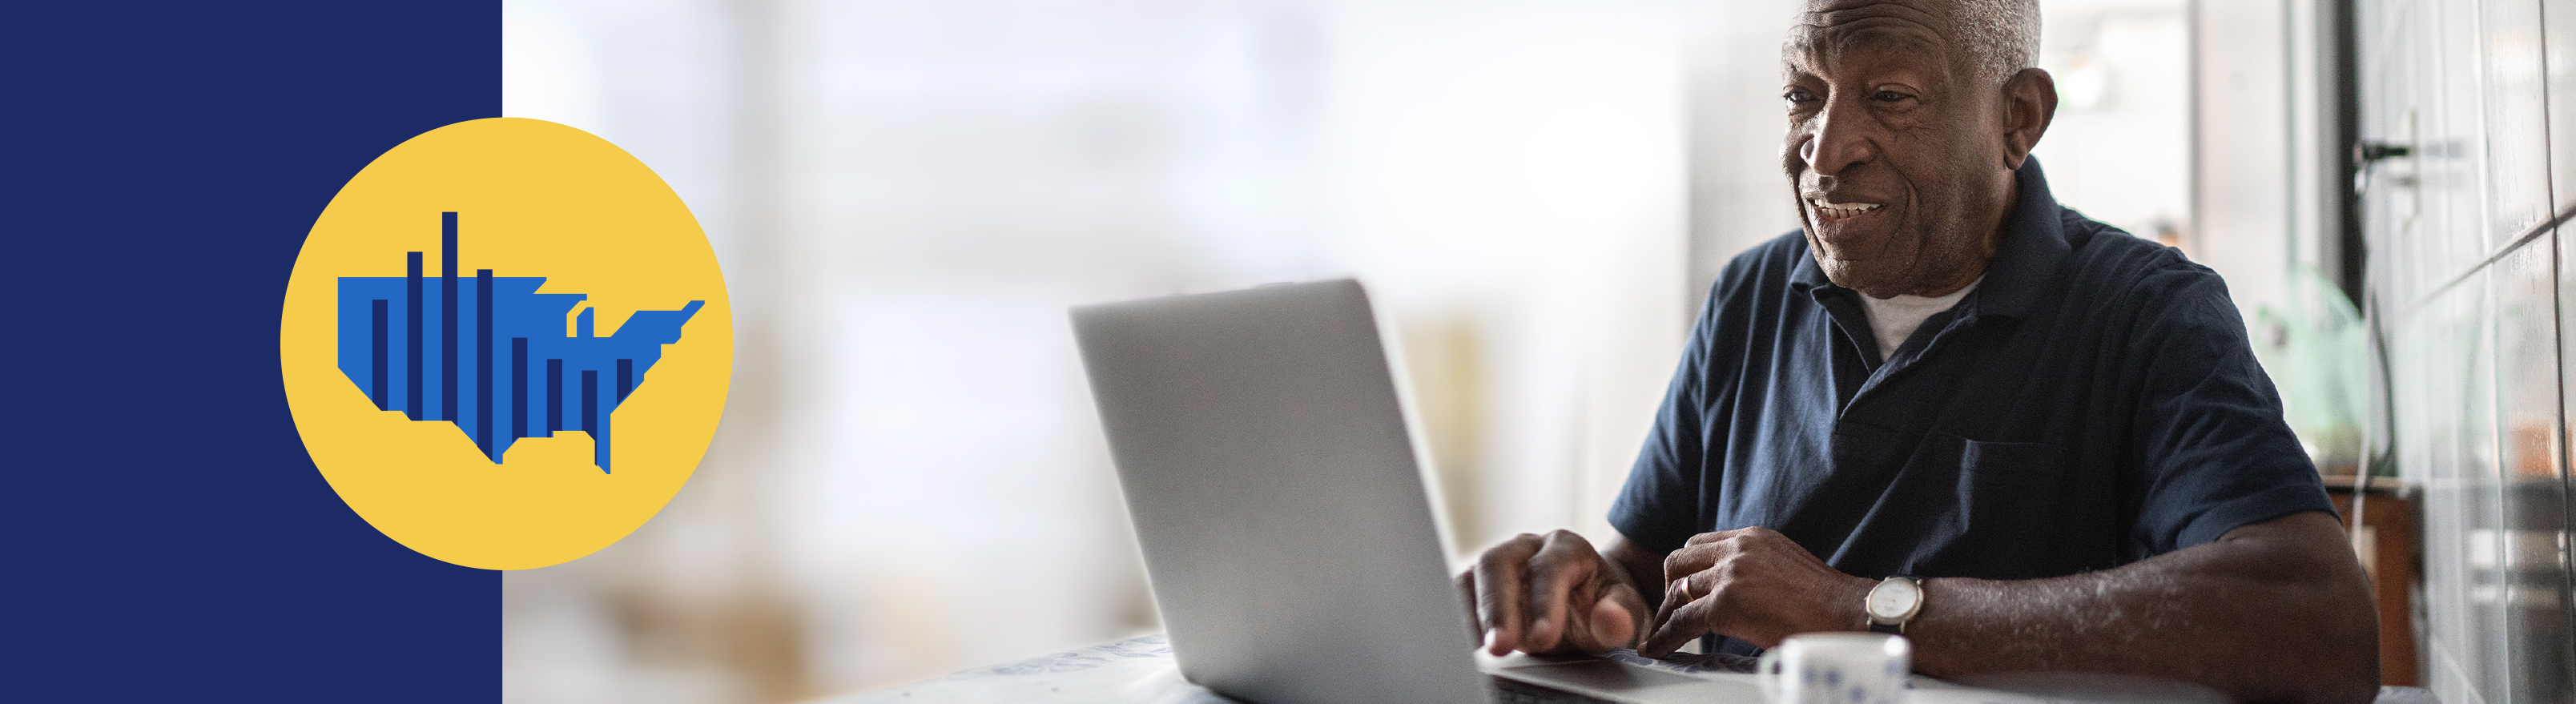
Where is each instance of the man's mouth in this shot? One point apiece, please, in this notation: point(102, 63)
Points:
point(1829, 211)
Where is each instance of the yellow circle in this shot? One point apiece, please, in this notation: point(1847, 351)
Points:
point(532, 199)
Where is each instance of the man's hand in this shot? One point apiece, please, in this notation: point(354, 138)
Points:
point(1753, 584)
point(1553, 594)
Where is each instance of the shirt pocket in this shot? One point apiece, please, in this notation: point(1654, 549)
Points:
point(2009, 499)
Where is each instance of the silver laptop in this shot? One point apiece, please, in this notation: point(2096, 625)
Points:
point(1284, 520)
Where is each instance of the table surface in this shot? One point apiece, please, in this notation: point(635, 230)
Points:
point(1141, 671)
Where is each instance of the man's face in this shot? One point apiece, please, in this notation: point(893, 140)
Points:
point(1894, 147)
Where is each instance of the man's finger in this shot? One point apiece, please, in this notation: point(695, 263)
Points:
point(1697, 557)
point(1564, 561)
point(1499, 578)
point(1673, 600)
point(1618, 619)
point(1684, 624)
point(1681, 593)
point(1467, 600)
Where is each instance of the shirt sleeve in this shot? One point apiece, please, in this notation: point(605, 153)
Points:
point(1658, 508)
point(2218, 455)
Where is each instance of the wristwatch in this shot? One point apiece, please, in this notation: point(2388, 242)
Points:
point(1893, 602)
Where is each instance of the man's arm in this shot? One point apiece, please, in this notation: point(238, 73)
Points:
point(2274, 611)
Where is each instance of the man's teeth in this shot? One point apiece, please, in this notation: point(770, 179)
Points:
point(1842, 210)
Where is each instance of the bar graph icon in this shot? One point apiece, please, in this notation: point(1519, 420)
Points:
point(497, 344)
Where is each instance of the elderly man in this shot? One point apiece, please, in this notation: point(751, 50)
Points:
point(1950, 408)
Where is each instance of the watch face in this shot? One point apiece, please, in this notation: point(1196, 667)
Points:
point(1892, 598)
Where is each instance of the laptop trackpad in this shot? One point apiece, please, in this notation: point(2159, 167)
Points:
point(1600, 674)
point(1629, 682)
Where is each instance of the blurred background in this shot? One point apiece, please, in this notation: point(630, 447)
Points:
point(906, 196)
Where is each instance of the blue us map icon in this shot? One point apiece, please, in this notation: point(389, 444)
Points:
point(488, 354)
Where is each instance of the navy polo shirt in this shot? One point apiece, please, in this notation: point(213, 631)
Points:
point(2093, 403)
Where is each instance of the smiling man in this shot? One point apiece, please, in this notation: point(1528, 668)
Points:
point(1951, 408)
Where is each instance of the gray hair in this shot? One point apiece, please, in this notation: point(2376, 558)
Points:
point(2001, 36)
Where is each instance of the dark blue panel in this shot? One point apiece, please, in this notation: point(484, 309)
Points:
point(590, 402)
point(554, 396)
point(411, 339)
point(167, 160)
point(483, 362)
point(447, 318)
point(380, 375)
point(518, 387)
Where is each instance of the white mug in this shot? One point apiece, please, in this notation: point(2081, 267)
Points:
point(1837, 668)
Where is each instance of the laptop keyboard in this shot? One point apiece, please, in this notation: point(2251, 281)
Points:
point(1511, 691)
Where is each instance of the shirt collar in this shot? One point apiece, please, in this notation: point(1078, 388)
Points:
point(2033, 247)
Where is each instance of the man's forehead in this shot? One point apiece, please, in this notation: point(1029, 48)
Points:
point(1828, 28)
point(1928, 13)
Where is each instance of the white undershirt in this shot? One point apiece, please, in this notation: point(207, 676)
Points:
point(1892, 320)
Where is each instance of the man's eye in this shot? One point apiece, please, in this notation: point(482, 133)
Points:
point(1798, 95)
point(1888, 96)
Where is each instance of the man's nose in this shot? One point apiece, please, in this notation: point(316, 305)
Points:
point(1839, 141)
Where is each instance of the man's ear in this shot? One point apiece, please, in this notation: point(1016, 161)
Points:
point(2030, 101)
